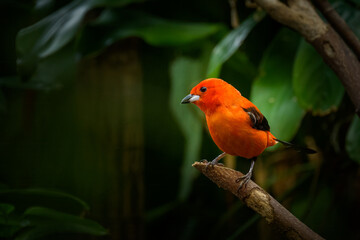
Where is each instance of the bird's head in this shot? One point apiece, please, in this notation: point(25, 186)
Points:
point(210, 94)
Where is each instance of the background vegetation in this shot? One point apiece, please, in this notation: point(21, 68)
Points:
point(94, 141)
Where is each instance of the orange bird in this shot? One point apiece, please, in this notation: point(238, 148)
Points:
point(235, 124)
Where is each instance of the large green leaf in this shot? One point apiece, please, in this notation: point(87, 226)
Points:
point(353, 140)
point(316, 86)
point(230, 43)
point(113, 25)
point(240, 71)
point(55, 70)
point(55, 31)
point(25, 198)
point(272, 90)
point(51, 72)
point(47, 36)
point(45, 222)
point(185, 73)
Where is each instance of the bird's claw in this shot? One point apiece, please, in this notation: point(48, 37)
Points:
point(212, 164)
point(243, 181)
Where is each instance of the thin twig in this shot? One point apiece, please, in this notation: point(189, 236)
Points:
point(234, 14)
point(260, 201)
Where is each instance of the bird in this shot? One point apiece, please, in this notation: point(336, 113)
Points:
point(235, 124)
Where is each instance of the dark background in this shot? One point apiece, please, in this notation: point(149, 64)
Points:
point(90, 106)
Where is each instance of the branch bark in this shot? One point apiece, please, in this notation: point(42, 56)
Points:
point(260, 201)
point(339, 25)
point(301, 15)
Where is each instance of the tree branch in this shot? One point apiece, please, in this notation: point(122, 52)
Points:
point(302, 17)
point(339, 25)
point(260, 201)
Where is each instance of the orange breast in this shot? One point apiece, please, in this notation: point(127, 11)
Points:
point(232, 132)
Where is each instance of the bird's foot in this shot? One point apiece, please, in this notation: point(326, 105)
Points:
point(243, 180)
point(212, 163)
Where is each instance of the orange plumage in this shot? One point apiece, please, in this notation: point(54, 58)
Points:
point(229, 123)
point(235, 124)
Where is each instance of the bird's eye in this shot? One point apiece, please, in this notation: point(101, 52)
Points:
point(203, 89)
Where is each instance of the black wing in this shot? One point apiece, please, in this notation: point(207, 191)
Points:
point(257, 119)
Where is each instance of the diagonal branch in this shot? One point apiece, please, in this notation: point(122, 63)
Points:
point(301, 15)
point(339, 25)
point(260, 201)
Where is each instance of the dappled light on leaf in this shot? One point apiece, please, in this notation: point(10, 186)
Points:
point(316, 86)
point(272, 90)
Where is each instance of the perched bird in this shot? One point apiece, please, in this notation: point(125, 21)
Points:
point(235, 124)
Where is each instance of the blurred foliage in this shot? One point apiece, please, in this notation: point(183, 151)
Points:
point(272, 91)
point(114, 25)
point(69, 98)
point(34, 213)
point(353, 140)
point(326, 92)
point(184, 73)
point(230, 44)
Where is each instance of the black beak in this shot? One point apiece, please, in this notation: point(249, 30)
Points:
point(190, 98)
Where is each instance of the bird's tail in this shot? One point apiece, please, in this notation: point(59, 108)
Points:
point(297, 148)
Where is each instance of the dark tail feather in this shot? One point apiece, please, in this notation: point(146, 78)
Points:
point(298, 148)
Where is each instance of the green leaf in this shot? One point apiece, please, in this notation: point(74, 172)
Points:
point(240, 71)
point(51, 72)
point(230, 44)
point(353, 140)
point(272, 90)
point(9, 223)
point(113, 25)
point(46, 222)
point(16, 82)
point(54, 71)
point(6, 209)
point(55, 31)
point(316, 86)
point(50, 34)
point(112, 3)
point(25, 198)
point(9, 226)
point(185, 73)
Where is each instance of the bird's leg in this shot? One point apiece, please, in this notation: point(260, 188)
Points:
point(216, 161)
point(244, 179)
